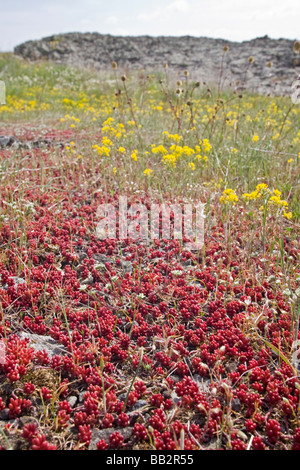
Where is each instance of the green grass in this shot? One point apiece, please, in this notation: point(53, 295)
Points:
point(47, 93)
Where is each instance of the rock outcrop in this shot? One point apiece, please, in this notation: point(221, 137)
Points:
point(263, 64)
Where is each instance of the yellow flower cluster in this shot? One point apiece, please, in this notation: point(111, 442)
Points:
point(174, 152)
point(229, 197)
point(104, 150)
point(205, 145)
point(170, 158)
point(173, 137)
point(271, 197)
point(276, 200)
point(159, 149)
point(113, 129)
point(21, 105)
point(134, 155)
point(260, 191)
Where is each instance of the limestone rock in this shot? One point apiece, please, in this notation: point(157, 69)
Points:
point(98, 434)
point(274, 67)
point(40, 343)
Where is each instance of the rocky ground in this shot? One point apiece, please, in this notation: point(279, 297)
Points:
point(263, 65)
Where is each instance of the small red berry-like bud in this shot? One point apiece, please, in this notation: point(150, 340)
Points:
point(123, 420)
point(116, 439)
point(102, 445)
point(273, 430)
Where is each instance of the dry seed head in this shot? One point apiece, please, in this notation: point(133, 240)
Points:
point(186, 73)
point(225, 49)
point(123, 78)
point(269, 64)
point(251, 59)
point(114, 65)
point(297, 47)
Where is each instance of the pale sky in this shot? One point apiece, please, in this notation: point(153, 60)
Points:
point(235, 20)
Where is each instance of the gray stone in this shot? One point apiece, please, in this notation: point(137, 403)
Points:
point(4, 415)
point(203, 57)
point(139, 404)
point(126, 266)
point(17, 281)
point(187, 263)
point(236, 405)
point(72, 400)
point(27, 419)
point(40, 343)
point(4, 141)
point(101, 258)
point(81, 396)
point(98, 434)
point(9, 141)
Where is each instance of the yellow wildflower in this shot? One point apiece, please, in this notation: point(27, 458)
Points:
point(287, 215)
point(170, 158)
point(229, 196)
point(159, 149)
point(174, 137)
point(206, 145)
point(260, 190)
point(106, 141)
point(277, 201)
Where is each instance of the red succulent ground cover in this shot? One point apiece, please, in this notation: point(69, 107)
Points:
point(162, 348)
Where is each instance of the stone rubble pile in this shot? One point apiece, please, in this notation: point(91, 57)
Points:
point(261, 65)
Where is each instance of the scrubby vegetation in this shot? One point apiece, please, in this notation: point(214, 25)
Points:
point(158, 347)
